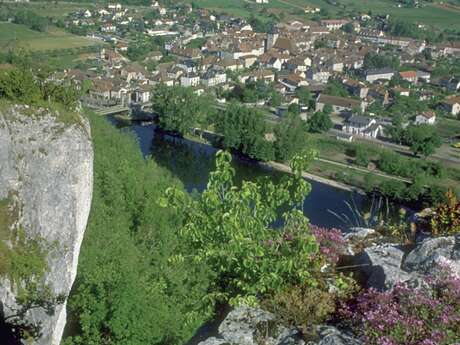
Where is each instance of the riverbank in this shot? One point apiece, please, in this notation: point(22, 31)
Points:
point(336, 184)
point(192, 159)
point(282, 167)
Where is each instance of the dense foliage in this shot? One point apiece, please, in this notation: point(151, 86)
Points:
point(25, 17)
point(179, 109)
point(21, 85)
point(374, 60)
point(408, 316)
point(129, 290)
point(251, 91)
point(423, 139)
point(320, 122)
point(290, 137)
point(244, 129)
point(446, 217)
point(232, 230)
point(394, 164)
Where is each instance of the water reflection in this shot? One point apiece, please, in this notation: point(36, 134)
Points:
point(192, 162)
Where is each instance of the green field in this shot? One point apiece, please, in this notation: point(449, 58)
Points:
point(19, 36)
point(448, 128)
point(430, 14)
point(54, 10)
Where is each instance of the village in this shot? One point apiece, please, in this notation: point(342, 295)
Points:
point(351, 68)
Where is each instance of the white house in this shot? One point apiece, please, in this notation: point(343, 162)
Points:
point(318, 74)
point(190, 79)
point(362, 126)
point(339, 104)
point(452, 105)
point(108, 27)
point(334, 24)
point(379, 74)
point(426, 118)
point(141, 95)
point(293, 81)
point(116, 7)
point(213, 78)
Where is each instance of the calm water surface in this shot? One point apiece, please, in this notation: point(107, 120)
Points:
point(192, 162)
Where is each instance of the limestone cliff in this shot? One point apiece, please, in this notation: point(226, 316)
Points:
point(46, 163)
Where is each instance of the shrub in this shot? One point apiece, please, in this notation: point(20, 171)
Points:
point(446, 217)
point(362, 158)
point(408, 316)
point(306, 306)
point(302, 307)
point(331, 243)
point(233, 231)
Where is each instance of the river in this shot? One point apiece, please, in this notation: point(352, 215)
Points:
point(191, 162)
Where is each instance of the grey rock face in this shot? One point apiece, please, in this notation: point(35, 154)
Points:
point(387, 265)
point(250, 326)
point(215, 341)
point(329, 335)
point(382, 264)
point(359, 233)
point(359, 238)
point(434, 253)
point(48, 165)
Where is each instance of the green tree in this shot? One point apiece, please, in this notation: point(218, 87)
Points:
point(319, 122)
point(423, 139)
point(275, 99)
point(361, 156)
point(179, 108)
point(130, 287)
point(348, 28)
point(377, 60)
point(304, 95)
point(327, 109)
point(20, 85)
point(294, 108)
point(244, 129)
point(290, 137)
point(231, 229)
point(335, 88)
point(396, 130)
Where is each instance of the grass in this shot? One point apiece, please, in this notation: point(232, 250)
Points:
point(6, 221)
point(448, 128)
point(6, 218)
point(19, 36)
point(60, 10)
point(429, 14)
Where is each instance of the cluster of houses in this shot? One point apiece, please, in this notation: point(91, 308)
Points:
point(289, 56)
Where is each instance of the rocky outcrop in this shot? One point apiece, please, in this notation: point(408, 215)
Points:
point(359, 238)
point(329, 335)
point(386, 265)
point(434, 253)
point(382, 265)
point(250, 326)
point(46, 171)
